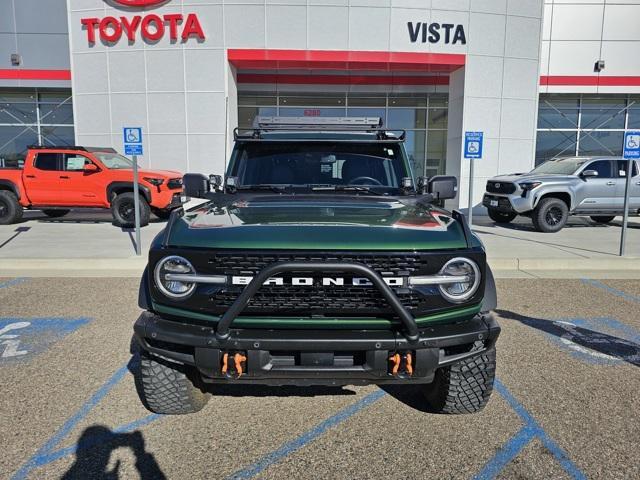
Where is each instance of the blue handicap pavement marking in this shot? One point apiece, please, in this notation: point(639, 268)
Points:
point(12, 282)
point(21, 338)
point(613, 291)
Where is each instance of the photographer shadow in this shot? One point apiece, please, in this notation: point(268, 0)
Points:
point(93, 453)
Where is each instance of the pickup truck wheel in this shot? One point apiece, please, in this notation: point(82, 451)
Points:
point(501, 217)
point(464, 387)
point(162, 213)
point(550, 215)
point(166, 387)
point(10, 209)
point(603, 219)
point(55, 213)
point(123, 210)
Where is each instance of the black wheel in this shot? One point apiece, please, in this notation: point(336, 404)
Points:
point(162, 214)
point(501, 217)
point(606, 219)
point(123, 210)
point(10, 209)
point(464, 387)
point(166, 387)
point(550, 215)
point(55, 213)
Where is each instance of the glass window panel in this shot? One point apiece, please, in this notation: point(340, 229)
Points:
point(13, 145)
point(315, 101)
point(47, 161)
point(438, 101)
point(555, 144)
point(603, 112)
point(603, 167)
point(57, 113)
point(407, 101)
point(75, 163)
point(55, 97)
point(407, 118)
point(558, 112)
point(8, 96)
point(312, 112)
point(367, 112)
point(246, 115)
point(367, 101)
point(601, 143)
point(18, 113)
point(438, 118)
point(414, 145)
point(623, 166)
point(634, 112)
point(436, 152)
point(257, 100)
point(57, 136)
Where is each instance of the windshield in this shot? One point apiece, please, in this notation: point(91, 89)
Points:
point(564, 166)
point(307, 164)
point(114, 161)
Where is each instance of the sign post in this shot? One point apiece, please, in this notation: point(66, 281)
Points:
point(473, 144)
point(133, 147)
point(631, 153)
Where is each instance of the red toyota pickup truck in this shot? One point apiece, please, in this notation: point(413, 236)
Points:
point(56, 180)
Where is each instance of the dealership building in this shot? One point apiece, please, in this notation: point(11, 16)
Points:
point(539, 78)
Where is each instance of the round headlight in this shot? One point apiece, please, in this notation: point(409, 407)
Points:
point(460, 291)
point(176, 266)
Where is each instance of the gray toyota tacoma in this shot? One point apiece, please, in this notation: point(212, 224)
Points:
point(553, 191)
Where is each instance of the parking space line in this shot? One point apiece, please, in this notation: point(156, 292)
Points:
point(63, 452)
point(70, 424)
point(611, 290)
point(307, 437)
point(529, 432)
point(12, 282)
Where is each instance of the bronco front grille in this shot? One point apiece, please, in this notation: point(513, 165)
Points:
point(501, 187)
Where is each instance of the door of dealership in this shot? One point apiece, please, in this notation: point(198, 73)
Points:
point(422, 115)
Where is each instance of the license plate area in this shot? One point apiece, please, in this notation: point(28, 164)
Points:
point(493, 203)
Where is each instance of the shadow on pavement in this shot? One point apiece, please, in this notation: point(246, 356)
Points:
point(411, 395)
point(18, 231)
point(93, 453)
point(606, 344)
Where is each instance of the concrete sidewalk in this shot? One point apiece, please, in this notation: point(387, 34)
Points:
point(85, 243)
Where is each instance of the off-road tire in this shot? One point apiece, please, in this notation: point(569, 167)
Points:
point(501, 217)
point(55, 213)
point(162, 213)
point(166, 387)
point(123, 211)
point(464, 387)
point(550, 215)
point(10, 208)
point(603, 219)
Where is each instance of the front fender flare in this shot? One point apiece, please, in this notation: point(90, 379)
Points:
point(490, 300)
point(128, 186)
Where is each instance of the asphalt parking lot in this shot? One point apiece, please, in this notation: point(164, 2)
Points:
point(565, 405)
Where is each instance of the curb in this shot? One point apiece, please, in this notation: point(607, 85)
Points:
point(627, 264)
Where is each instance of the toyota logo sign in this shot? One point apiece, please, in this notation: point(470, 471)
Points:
point(139, 3)
point(497, 185)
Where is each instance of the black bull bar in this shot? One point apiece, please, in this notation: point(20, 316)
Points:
point(410, 332)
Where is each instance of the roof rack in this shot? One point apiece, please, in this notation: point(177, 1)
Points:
point(72, 147)
point(314, 124)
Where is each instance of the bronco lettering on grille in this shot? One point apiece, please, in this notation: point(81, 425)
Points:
point(325, 281)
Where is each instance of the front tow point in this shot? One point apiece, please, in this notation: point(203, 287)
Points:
point(401, 364)
point(233, 365)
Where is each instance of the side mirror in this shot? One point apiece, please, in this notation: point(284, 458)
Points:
point(195, 185)
point(443, 187)
point(589, 174)
point(422, 184)
point(90, 168)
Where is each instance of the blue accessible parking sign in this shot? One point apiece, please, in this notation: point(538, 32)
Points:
point(632, 145)
point(132, 140)
point(473, 144)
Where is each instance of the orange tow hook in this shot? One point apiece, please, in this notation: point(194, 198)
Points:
point(225, 363)
point(395, 362)
point(239, 358)
point(408, 364)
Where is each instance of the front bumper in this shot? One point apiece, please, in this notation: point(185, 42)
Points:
point(508, 203)
point(315, 357)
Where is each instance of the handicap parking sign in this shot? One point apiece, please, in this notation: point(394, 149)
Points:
point(632, 145)
point(132, 140)
point(473, 144)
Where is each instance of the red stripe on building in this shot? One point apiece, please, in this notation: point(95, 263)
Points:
point(589, 81)
point(341, 79)
point(21, 74)
point(264, 59)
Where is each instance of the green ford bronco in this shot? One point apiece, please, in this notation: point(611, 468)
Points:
point(318, 260)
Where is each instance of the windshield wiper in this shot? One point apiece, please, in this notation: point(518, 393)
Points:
point(262, 186)
point(344, 188)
